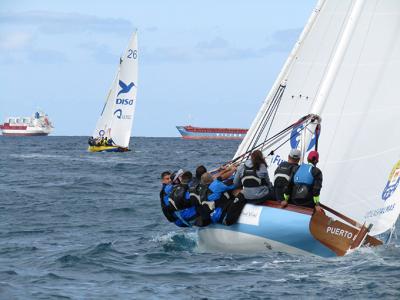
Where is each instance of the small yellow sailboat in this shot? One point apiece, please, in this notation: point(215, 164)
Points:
point(113, 128)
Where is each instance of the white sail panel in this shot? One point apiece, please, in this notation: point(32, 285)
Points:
point(360, 140)
point(103, 126)
point(359, 143)
point(125, 96)
point(304, 75)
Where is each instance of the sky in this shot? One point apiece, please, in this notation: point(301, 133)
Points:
point(203, 63)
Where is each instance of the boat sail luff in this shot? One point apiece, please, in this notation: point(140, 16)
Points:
point(125, 99)
point(330, 75)
point(105, 120)
point(243, 147)
point(337, 59)
point(359, 142)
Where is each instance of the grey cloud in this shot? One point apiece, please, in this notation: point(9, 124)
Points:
point(101, 53)
point(166, 54)
point(216, 43)
point(220, 49)
point(56, 23)
point(283, 40)
point(43, 56)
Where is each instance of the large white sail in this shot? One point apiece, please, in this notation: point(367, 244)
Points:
point(125, 98)
point(118, 112)
point(359, 143)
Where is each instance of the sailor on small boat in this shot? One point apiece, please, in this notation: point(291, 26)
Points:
point(283, 175)
point(91, 141)
point(253, 177)
point(307, 183)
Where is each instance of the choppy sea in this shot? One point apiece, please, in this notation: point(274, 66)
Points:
point(79, 225)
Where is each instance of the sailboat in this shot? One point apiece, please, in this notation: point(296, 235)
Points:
point(113, 128)
point(337, 93)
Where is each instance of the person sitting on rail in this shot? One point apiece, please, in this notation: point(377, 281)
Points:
point(200, 170)
point(307, 183)
point(91, 141)
point(168, 182)
point(213, 195)
point(110, 142)
point(164, 194)
point(252, 175)
point(283, 176)
point(179, 200)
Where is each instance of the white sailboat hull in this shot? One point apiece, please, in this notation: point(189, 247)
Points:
point(263, 228)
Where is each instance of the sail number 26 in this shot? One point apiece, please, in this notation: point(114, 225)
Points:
point(132, 54)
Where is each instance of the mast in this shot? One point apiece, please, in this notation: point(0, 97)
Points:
point(280, 80)
point(331, 73)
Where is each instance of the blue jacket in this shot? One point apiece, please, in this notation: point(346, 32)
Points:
point(217, 188)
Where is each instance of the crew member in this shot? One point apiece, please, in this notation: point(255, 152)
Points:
point(200, 170)
point(164, 194)
point(179, 199)
point(283, 175)
point(253, 177)
point(307, 183)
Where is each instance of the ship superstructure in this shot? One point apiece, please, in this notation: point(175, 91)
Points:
point(36, 125)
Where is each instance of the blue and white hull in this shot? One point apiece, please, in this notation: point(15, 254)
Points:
point(262, 228)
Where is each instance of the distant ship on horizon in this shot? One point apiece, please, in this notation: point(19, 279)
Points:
point(36, 125)
point(210, 133)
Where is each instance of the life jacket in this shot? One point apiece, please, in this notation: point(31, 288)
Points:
point(165, 207)
point(284, 173)
point(185, 217)
point(179, 197)
point(250, 178)
point(199, 194)
point(304, 175)
point(303, 181)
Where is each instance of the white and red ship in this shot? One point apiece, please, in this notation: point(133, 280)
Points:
point(37, 125)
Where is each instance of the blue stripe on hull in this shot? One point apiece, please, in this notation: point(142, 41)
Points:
point(285, 227)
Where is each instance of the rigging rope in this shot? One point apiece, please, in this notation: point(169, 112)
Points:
point(273, 140)
point(271, 109)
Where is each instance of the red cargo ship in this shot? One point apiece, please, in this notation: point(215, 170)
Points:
point(204, 133)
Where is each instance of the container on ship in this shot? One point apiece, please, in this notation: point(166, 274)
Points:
point(36, 125)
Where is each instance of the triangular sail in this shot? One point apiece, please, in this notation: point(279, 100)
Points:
point(103, 126)
point(118, 112)
point(359, 142)
point(125, 98)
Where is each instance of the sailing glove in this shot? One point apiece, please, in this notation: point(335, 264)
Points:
point(286, 197)
point(316, 199)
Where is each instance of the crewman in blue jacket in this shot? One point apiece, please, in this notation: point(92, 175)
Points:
point(307, 183)
point(217, 195)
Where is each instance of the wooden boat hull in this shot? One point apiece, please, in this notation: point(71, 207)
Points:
point(107, 149)
point(263, 228)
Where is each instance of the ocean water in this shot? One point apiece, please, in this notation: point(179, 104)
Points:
point(79, 225)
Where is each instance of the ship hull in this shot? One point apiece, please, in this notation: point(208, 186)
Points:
point(263, 228)
point(107, 149)
point(198, 133)
point(211, 138)
point(25, 134)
